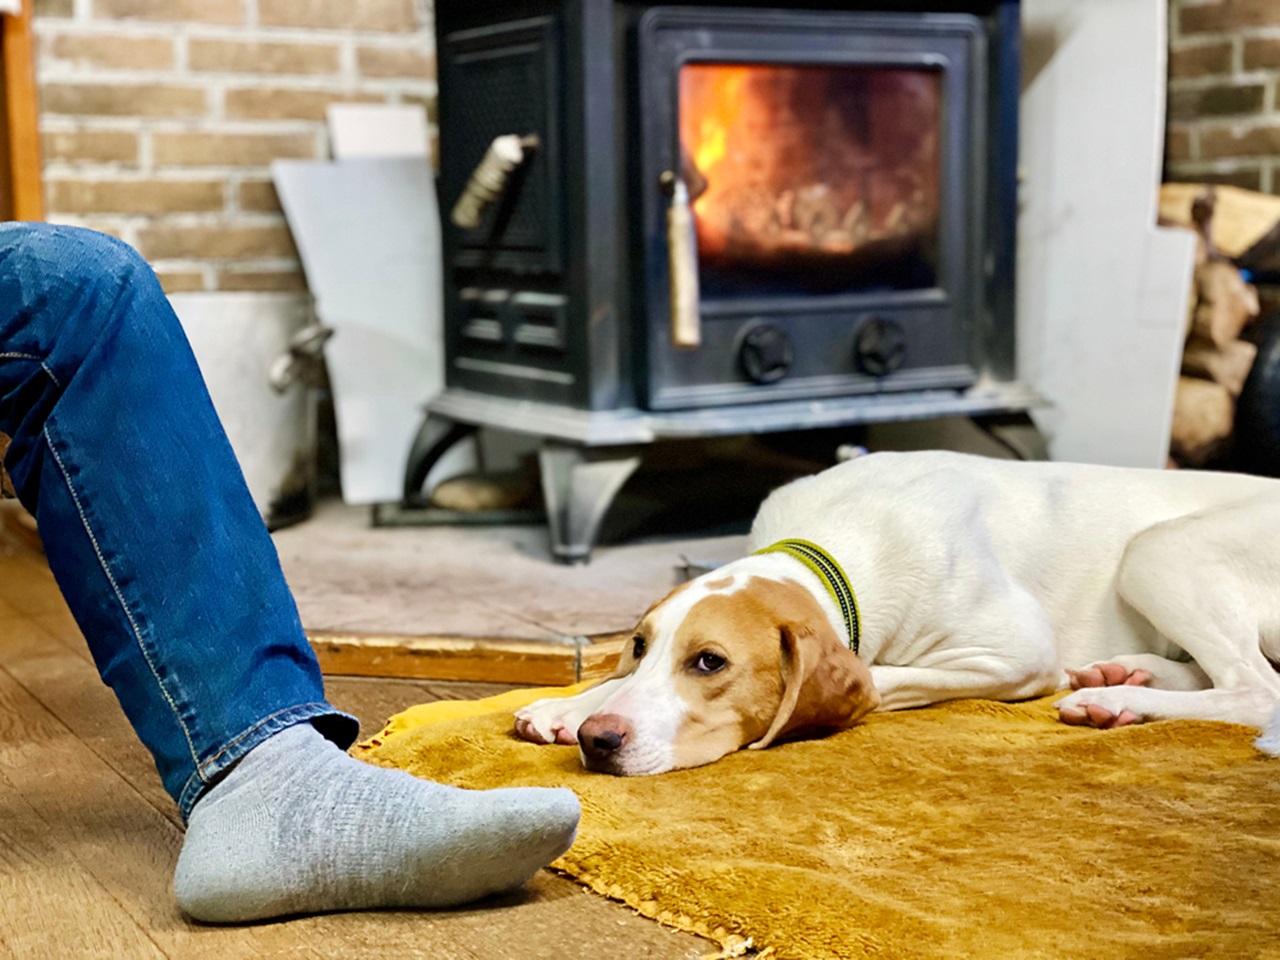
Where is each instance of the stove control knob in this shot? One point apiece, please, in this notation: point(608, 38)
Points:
point(879, 346)
point(765, 353)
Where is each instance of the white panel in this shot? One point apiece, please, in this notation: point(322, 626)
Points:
point(377, 130)
point(369, 236)
point(1101, 289)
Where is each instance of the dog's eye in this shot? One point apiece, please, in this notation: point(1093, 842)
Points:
point(637, 647)
point(707, 662)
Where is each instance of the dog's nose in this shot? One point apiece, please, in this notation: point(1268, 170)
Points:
point(602, 736)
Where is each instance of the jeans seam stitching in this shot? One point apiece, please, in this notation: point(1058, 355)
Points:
point(257, 726)
point(137, 633)
point(44, 364)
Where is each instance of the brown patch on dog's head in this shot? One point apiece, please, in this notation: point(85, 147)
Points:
point(759, 663)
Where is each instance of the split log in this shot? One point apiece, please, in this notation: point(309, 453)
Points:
point(1203, 418)
point(1229, 365)
point(1226, 303)
point(1241, 217)
point(475, 493)
point(1202, 219)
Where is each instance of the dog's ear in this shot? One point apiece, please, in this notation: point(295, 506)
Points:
point(824, 684)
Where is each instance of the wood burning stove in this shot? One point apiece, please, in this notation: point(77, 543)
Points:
point(672, 220)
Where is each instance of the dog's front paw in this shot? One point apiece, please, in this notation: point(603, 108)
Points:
point(1102, 707)
point(547, 721)
point(1107, 675)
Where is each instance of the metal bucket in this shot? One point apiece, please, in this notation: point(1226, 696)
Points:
point(254, 350)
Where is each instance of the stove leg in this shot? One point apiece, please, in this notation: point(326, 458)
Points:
point(435, 437)
point(578, 485)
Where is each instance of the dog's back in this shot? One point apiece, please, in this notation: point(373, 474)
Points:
point(1043, 501)
point(1058, 529)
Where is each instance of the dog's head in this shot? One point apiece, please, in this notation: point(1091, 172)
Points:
point(723, 662)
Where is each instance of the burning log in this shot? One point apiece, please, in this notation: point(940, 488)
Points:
point(826, 184)
point(816, 213)
point(896, 222)
point(857, 223)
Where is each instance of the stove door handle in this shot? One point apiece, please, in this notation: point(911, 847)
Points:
point(682, 256)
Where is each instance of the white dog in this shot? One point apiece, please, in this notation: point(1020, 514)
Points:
point(899, 580)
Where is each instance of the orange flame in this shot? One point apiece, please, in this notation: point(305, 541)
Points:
point(784, 158)
point(710, 102)
point(714, 103)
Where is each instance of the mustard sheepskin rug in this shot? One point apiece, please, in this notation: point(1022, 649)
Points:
point(967, 830)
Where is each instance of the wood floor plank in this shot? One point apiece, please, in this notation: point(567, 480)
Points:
point(51, 903)
point(559, 920)
point(128, 849)
point(69, 687)
point(77, 782)
point(62, 626)
point(136, 857)
point(65, 911)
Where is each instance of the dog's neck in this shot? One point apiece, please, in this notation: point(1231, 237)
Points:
point(832, 577)
point(878, 616)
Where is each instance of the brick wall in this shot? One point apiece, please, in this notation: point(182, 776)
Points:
point(1224, 93)
point(159, 118)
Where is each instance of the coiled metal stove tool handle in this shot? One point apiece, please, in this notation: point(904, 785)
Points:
point(682, 255)
point(491, 176)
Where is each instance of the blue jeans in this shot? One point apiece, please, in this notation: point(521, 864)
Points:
point(148, 525)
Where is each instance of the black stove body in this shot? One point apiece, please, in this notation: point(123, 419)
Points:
point(724, 217)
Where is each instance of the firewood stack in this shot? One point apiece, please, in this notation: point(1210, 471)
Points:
point(1216, 360)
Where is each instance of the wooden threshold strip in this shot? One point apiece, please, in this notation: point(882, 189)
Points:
point(478, 659)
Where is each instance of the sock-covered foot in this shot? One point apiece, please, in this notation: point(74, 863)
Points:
point(298, 826)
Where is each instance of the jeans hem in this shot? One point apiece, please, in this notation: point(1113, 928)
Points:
point(340, 728)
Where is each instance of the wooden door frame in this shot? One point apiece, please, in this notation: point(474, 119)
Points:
point(21, 189)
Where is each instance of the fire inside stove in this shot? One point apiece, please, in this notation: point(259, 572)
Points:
point(812, 178)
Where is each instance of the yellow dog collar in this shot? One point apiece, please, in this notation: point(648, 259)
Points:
point(829, 572)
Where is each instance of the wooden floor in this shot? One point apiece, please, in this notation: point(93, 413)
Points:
point(89, 839)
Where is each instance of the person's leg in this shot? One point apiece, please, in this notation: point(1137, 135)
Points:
point(149, 529)
point(168, 569)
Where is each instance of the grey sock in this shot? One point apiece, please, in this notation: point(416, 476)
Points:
point(297, 826)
